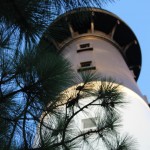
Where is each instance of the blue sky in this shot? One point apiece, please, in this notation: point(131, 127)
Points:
point(137, 15)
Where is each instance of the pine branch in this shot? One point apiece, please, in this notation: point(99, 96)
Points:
point(11, 136)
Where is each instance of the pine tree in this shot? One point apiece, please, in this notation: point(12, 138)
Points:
point(32, 79)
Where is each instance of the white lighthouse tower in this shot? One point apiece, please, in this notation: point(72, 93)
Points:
point(102, 42)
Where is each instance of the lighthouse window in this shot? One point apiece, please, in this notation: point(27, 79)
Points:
point(88, 123)
point(86, 64)
point(85, 45)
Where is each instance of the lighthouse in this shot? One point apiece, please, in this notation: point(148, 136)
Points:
point(97, 40)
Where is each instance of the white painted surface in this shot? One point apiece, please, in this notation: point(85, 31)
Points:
point(135, 116)
point(105, 56)
point(135, 119)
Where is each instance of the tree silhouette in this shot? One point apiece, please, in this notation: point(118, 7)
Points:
point(36, 111)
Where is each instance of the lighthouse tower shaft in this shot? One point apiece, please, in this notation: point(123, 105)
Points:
point(99, 41)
